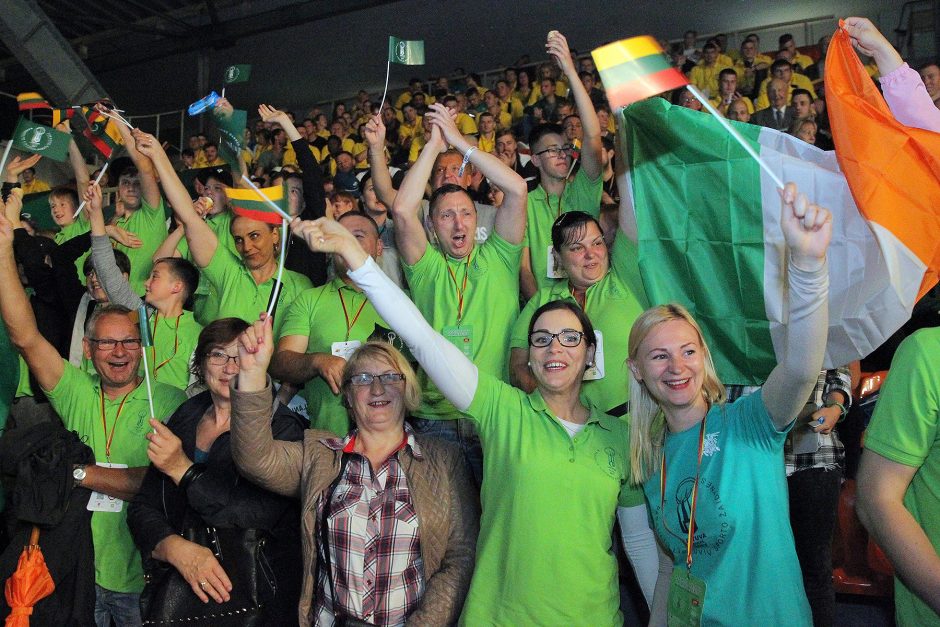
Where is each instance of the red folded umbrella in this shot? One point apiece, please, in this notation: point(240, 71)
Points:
point(29, 583)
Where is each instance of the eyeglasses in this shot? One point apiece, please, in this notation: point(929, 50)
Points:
point(217, 358)
point(553, 152)
point(107, 345)
point(364, 378)
point(543, 339)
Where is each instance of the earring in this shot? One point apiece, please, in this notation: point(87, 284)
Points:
point(529, 364)
point(589, 364)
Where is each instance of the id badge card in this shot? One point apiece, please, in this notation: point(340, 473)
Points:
point(461, 337)
point(686, 599)
point(100, 502)
point(596, 371)
point(553, 269)
point(344, 349)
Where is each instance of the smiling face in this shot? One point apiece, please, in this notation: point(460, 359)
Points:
point(585, 259)
point(555, 367)
point(62, 208)
point(454, 222)
point(376, 406)
point(254, 241)
point(162, 285)
point(670, 362)
point(118, 367)
point(217, 377)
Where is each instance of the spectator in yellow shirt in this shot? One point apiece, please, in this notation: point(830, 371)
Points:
point(487, 137)
point(705, 74)
point(414, 86)
point(788, 44)
point(465, 124)
point(525, 92)
point(31, 184)
point(781, 69)
point(728, 92)
point(495, 107)
point(507, 102)
point(410, 127)
point(750, 66)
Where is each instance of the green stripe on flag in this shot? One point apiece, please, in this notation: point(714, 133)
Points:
point(700, 219)
point(237, 74)
point(405, 52)
point(632, 70)
point(41, 140)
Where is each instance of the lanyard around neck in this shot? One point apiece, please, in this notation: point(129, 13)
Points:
point(662, 493)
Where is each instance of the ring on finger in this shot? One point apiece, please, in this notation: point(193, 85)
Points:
point(203, 584)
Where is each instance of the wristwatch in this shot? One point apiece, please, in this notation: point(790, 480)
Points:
point(78, 474)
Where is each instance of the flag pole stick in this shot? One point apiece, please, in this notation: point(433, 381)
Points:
point(734, 133)
point(6, 154)
point(147, 379)
point(223, 91)
point(97, 180)
point(146, 341)
point(388, 71)
point(284, 215)
point(280, 268)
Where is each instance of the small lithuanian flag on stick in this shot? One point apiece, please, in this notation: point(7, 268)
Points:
point(31, 100)
point(266, 205)
point(635, 68)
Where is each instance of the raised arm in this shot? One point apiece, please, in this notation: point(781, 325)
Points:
point(75, 157)
point(112, 281)
point(807, 229)
point(591, 147)
point(314, 196)
point(374, 132)
point(149, 189)
point(202, 241)
point(410, 235)
point(869, 41)
point(626, 215)
point(13, 169)
point(454, 374)
point(511, 217)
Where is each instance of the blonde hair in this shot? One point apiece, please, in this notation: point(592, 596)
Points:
point(384, 352)
point(647, 421)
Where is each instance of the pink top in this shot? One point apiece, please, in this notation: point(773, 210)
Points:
point(908, 99)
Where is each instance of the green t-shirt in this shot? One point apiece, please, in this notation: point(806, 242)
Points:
point(545, 555)
point(79, 227)
point(490, 306)
point(240, 297)
point(205, 298)
point(77, 399)
point(149, 224)
point(174, 342)
point(542, 208)
point(906, 429)
point(612, 304)
point(317, 314)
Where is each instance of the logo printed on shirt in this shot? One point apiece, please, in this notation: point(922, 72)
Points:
point(608, 461)
point(710, 447)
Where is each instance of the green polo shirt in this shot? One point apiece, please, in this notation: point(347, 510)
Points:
point(318, 315)
point(545, 554)
point(240, 297)
point(205, 298)
point(542, 208)
point(490, 306)
point(612, 304)
point(149, 224)
point(77, 399)
point(174, 342)
point(79, 227)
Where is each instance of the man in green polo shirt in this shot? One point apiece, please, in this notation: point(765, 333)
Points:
point(466, 291)
point(111, 413)
point(322, 327)
point(244, 283)
point(140, 210)
point(555, 194)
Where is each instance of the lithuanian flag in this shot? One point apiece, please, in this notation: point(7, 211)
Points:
point(248, 203)
point(635, 68)
point(102, 132)
point(31, 100)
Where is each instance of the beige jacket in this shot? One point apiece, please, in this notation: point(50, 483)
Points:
point(443, 495)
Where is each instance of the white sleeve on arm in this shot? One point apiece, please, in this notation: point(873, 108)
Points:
point(454, 374)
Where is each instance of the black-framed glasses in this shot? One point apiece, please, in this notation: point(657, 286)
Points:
point(106, 345)
point(567, 337)
point(218, 358)
point(553, 151)
point(363, 379)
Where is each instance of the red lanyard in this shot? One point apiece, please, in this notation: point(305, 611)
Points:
point(153, 338)
point(662, 493)
point(104, 425)
point(462, 290)
point(350, 325)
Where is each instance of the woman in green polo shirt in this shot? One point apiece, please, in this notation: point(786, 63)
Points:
point(555, 468)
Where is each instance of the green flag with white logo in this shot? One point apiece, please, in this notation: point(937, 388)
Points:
point(237, 74)
point(41, 140)
point(405, 52)
point(232, 137)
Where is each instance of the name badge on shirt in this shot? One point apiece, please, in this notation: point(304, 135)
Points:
point(596, 371)
point(686, 599)
point(100, 502)
point(344, 349)
point(461, 337)
point(553, 269)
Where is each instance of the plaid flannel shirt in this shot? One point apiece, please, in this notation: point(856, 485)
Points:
point(378, 573)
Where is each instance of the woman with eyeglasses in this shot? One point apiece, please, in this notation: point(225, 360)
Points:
point(389, 519)
point(193, 484)
point(555, 467)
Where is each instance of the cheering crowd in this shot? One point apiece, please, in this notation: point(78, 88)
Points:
point(435, 395)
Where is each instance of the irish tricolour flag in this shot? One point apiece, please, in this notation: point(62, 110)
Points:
point(710, 238)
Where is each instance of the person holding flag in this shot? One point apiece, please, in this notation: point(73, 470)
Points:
point(110, 411)
point(244, 285)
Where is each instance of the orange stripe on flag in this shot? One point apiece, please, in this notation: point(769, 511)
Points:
point(893, 170)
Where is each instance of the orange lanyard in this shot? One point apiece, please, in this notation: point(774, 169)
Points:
point(153, 338)
point(104, 425)
point(462, 290)
point(350, 325)
point(662, 493)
